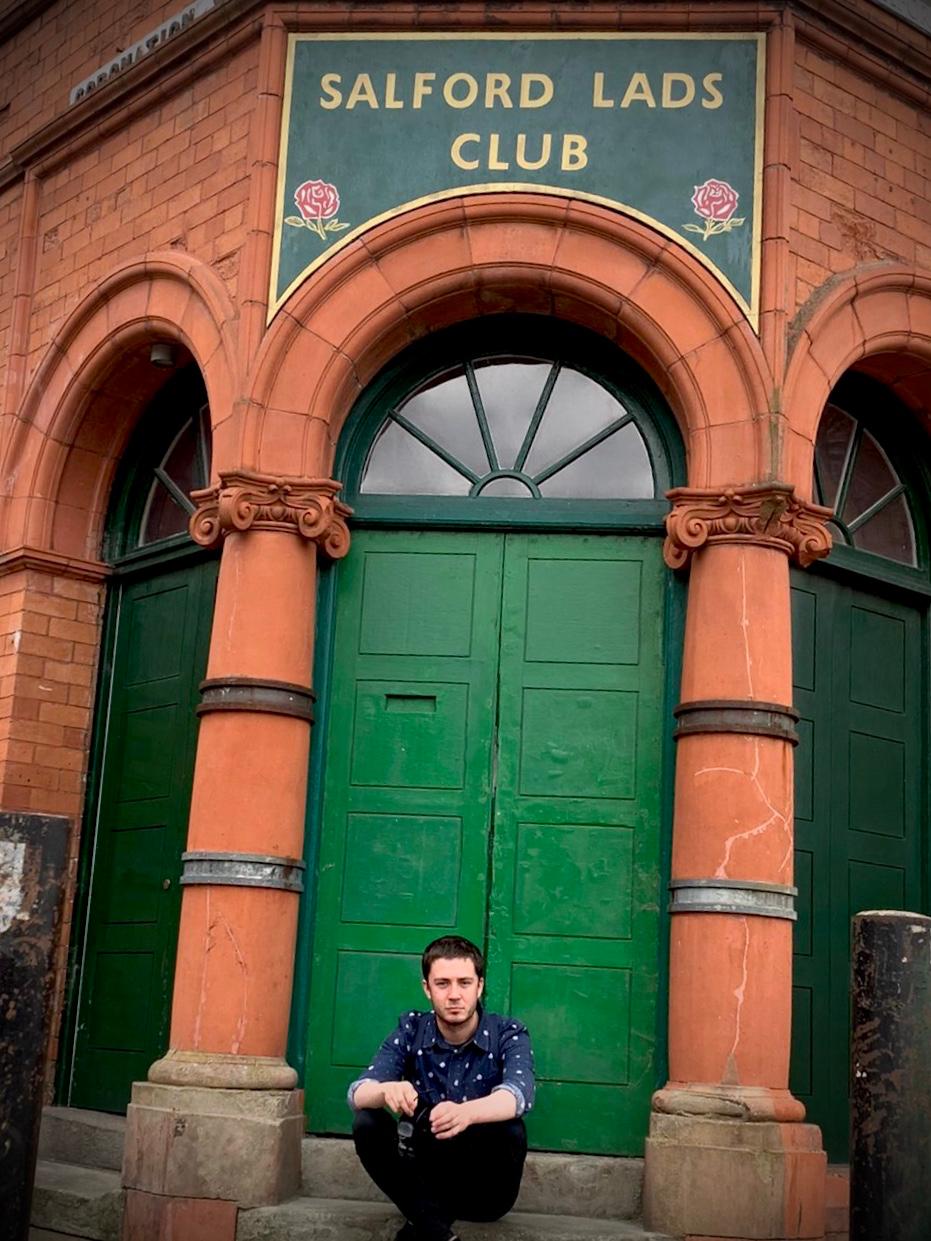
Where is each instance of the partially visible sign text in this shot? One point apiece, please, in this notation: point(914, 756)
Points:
point(136, 51)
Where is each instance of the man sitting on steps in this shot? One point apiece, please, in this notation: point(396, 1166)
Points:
point(460, 1079)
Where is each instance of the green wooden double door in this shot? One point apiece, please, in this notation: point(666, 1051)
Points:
point(493, 769)
point(859, 811)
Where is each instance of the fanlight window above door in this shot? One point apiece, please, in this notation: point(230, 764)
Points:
point(184, 467)
point(511, 426)
point(854, 476)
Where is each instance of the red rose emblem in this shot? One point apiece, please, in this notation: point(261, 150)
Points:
point(318, 203)
point(716, 203)
point(715, 200)
point(317, 200)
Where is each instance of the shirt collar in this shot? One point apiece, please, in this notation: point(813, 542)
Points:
point(481, 1038)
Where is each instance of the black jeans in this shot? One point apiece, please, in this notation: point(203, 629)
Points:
point(475, 1175)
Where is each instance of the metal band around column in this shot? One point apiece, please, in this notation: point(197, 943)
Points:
point(733, 896)
point(737, 715)
point(242, 870)
point(253, 694)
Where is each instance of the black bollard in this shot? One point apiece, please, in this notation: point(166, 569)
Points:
point(890, 1150)
point(33, 854)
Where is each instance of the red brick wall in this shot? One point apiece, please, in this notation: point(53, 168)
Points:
point(863, 174)
point(50, 630)
point(49, 639)
point(177, 173)
point(62, 46)
point(10, 203)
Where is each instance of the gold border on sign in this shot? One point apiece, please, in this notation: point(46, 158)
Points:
point(750, 308)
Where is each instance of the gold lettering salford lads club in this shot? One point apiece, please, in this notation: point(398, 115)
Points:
point(524, 91)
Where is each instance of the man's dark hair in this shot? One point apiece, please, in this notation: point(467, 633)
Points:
point(452, 947)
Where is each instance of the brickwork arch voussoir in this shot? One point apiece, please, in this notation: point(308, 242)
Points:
point(883, 311)
point(487, 254)
point(74, 420)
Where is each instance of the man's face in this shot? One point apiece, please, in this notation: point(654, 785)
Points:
point(454, 990)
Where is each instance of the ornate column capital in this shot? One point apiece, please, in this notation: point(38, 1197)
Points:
point(245, 500)
point(767, 514)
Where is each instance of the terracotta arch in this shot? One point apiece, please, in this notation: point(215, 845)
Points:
point(484, 254)
point(92, 383)
point(867, 320)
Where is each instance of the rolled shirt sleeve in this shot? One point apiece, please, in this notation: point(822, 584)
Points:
point(516, 1059)
point(389, 1062)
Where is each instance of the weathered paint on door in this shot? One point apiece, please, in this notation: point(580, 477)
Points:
point(859, 812)
point(161, 631)
point(493, 769)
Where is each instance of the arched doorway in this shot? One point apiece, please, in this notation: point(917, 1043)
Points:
point(156, 631)
point(860, 671)
point(492, 751)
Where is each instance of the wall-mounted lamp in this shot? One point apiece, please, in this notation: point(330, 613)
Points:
point(162, 354)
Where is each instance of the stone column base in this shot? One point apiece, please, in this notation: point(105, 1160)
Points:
point(150, 1217)
point(711, 1178)
point(242, 1146)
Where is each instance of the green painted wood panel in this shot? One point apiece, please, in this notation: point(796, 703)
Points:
point(859, 811)
point(573, 935)
point(404, 841)
point(162, 630)
point(452, 757)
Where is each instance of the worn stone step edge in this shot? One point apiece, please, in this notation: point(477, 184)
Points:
point(77, 1201)
point(593, 1186)
point(325, 1219)
point(73, 1135)
point(43, 1234)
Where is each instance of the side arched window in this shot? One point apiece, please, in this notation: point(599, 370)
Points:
point(855, 476)
point(168, 457)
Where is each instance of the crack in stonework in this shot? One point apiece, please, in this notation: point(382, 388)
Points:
point(775, 815)
point(745, 626)
point(740, 991)
point(244, 977)
point(202, 1001)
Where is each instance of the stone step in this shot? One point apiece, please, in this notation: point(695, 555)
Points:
point(72, 1135)
point(593, 1186)
point(73, 1200)
point(837, 1203)
point(327, 1219)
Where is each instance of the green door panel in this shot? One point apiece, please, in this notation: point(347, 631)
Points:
point(859, 812)
point(161, 629)
point(573, 931)
point(493, 769)
point(403, 850)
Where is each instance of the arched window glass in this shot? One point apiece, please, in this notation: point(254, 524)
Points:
point(167, 457)
point(183, 468)
point(511, 426)
point(854, 476)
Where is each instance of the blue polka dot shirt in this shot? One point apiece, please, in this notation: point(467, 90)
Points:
point(497, 1057)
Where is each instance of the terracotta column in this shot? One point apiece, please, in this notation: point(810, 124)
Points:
point(728, 1154)
point(219, 1122)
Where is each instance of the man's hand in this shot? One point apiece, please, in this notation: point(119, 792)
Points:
point(449, 1119)
point(400, 1097)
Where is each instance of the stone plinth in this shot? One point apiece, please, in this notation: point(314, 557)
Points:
point(733, 1178)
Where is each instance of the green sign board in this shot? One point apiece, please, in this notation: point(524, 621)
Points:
point(667, 128)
